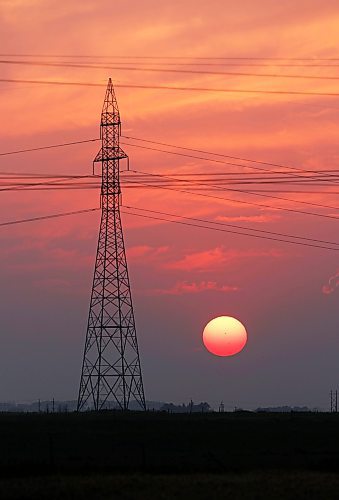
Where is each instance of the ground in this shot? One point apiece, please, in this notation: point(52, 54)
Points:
point(158, 455)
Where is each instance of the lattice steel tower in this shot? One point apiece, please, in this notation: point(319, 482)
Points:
point(111, 369)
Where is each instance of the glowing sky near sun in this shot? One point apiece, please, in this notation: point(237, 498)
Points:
point(180, 276)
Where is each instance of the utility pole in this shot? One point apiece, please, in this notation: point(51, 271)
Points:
point(331, 402)
point(111, 368)
point(334, 401)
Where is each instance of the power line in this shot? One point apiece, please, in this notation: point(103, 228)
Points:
point(101, 65)
point(90, 186)
point(44, 217)
point(86, 186)
point(213, 64)
point(50, 187)
point(227, 176)
point(76, 212)
point(228, 231)
point(279, 165)
point(261, 205)
point(39, 175)
point(323, 173)
point(178, 88)
point(276, 175)
point(23, 186)
point(229, 61)
point(200, 186)
point(47, 147)
point(228, 58)
point(172, 153)
point(223, 178)
point(186, 155)
point(166, 70)
point(297, 191)
point(246, 191)
point(234, 226)
point(29, 186)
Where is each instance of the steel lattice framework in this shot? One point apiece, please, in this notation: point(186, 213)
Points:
point(111, 371)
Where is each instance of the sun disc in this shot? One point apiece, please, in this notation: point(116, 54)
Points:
point(224, 336)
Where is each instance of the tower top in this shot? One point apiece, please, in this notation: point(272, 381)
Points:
point(110, 129)
point(110, 111)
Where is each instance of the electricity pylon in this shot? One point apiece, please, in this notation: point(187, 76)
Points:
point(111, 371)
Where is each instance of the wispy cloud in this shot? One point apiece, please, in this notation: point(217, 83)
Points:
point(142, 252)
point(215, 258)
point(332, 284)
point(185, 287)
point(260, 219)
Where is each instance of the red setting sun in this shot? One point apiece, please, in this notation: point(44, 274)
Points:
point(224, 336)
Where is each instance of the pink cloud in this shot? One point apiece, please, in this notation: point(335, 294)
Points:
point(248, 218)
point(185, 287)
point(217, 257)
point(332, 284)
point(145, 251)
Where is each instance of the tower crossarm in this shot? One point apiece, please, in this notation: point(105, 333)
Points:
point(110, 154)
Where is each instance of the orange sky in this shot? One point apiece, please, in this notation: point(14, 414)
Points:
point(282, 293)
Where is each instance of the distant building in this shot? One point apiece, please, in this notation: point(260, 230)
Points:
point(189, 408)
point(283, 409)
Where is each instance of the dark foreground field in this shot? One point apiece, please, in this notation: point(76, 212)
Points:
point(155, 455)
